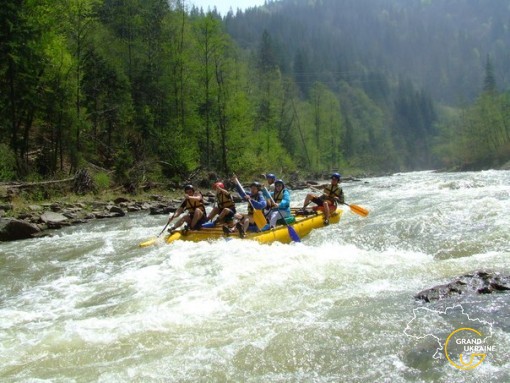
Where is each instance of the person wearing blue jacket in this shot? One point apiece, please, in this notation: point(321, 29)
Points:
point(280, 203)
point(255, 200)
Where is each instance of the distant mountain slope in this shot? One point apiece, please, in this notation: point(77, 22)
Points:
point(442, 45)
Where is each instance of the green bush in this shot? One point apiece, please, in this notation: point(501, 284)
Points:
point(102, 181)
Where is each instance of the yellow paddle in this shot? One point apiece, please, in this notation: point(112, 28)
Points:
point(258, 215)
point(357, 209)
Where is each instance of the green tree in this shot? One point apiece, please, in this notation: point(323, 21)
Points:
point(21, 67)
point(80, 19)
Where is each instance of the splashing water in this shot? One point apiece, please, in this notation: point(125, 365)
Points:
point(89, 305)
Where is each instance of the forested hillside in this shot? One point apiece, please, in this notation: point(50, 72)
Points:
point(440, 45)
point(153, 90)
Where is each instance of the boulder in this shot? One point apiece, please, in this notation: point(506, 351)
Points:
point(480, 282)
point(14, 229)
point(49, 216)
point(117, 211)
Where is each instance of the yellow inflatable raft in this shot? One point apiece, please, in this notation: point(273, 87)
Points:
point(302, 226)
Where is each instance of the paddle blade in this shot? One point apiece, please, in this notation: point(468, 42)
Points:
point(259, 218)
point(293, 235)
point(359, 210)
point(149, 242)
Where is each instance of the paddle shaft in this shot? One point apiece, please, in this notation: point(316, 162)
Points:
point(168, 223)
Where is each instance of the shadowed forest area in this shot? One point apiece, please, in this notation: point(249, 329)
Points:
point(153, 90)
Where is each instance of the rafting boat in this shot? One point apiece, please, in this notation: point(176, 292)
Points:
point(300, 224)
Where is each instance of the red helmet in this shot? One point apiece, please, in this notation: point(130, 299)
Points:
point(219, 185)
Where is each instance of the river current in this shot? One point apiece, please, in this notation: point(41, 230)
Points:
point(88, 305)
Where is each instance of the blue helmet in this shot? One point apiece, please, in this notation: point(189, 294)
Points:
point(279, 181)
point(271, 176)
point(336, 175)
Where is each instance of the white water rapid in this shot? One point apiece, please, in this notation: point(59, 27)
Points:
point(88, 305)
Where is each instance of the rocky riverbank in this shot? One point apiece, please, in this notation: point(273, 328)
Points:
point(36, 220)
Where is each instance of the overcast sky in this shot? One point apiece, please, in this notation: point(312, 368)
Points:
point(223, 6)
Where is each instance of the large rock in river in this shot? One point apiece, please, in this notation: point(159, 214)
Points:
point(480, 282)
point(13, 229)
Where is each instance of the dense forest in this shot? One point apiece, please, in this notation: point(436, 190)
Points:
point(156, 89)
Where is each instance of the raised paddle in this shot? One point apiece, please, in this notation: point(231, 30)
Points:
point(258, 215)
point(292, 232)
point(354, 208)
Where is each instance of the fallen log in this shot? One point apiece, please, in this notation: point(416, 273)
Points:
point(24, 185)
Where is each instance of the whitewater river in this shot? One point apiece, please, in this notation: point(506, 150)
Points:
point(88, 305)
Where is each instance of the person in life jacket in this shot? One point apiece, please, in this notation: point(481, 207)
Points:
point(225, 206)
point(327, 201)
point(279, 203)
point(194, 204)
point(270, 178)
point(255, 200)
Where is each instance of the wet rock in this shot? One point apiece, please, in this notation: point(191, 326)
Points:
point(162, 209)
point(117, 211)
point(145, 206)
point(58, 225)
point(480, 282)
point(14, 229)
point(52, 217)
